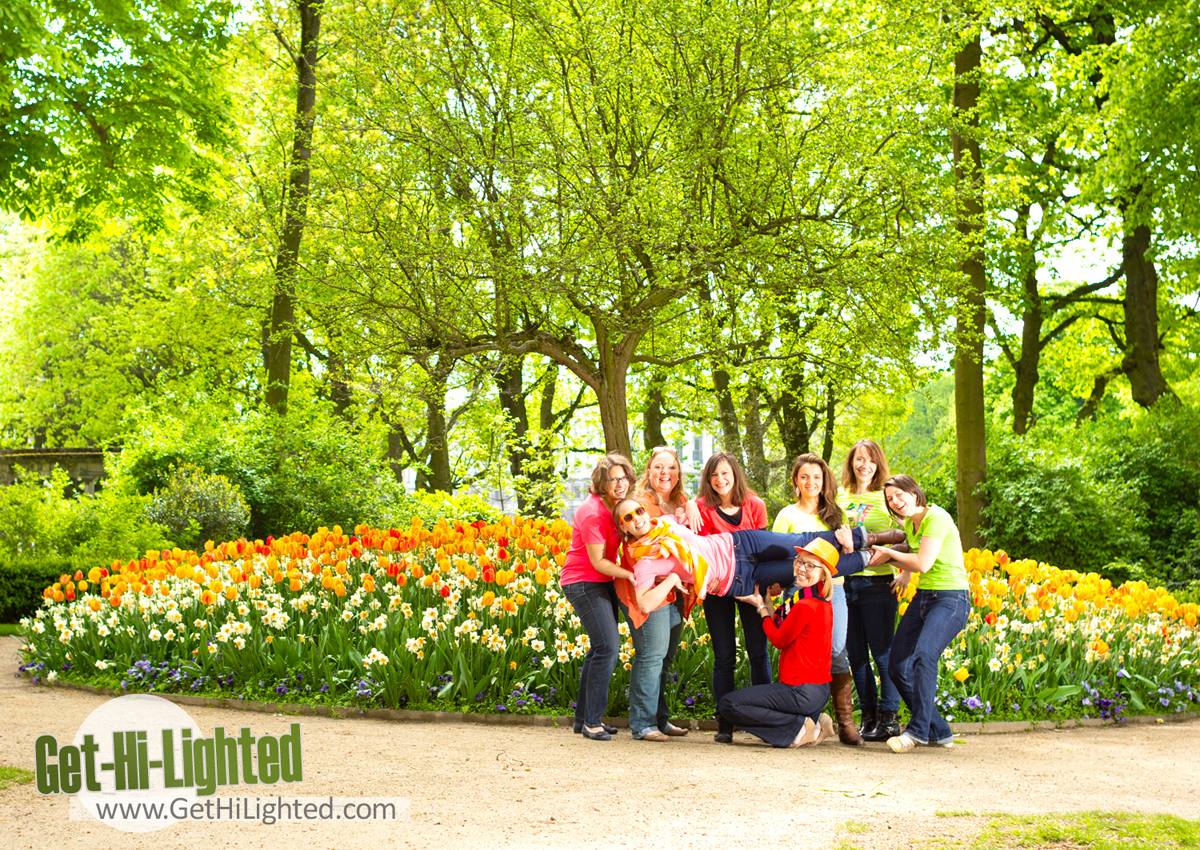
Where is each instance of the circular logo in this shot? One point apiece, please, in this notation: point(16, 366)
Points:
point(137, 743)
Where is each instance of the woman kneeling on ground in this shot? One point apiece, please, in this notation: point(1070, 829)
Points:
point(788, 712)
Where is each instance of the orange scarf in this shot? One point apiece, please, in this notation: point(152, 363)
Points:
point(661, 542)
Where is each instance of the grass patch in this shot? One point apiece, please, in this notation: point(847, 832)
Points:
point(854, 827)
point(1085, 831)
point(14, 776)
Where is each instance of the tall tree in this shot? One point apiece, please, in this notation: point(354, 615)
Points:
point(969, 415)
point(279, 327)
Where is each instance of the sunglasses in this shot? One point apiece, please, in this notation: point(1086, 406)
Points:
point(636, 512)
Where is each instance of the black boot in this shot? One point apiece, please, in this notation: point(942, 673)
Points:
point(866, 724)
point(724, 731)
point(888, 726)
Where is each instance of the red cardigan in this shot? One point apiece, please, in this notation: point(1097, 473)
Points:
point(805, 642)
point(754, 515)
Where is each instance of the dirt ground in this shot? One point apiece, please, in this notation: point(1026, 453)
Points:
point(474, 785)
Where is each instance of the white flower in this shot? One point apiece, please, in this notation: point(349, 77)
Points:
point(239, 642)
point(155, 634)
point(994, 665)
point(101, 664)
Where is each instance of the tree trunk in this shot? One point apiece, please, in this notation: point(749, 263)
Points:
point(731, 437)
point(794, 428)
point(830, 423)
point(510, 381)
point(277, 349)
point(614, 411)
point(1140, 305)
point(437, 443)
point(1026, 367)
point(971, 439)
point(652, 422)
point(758, 471)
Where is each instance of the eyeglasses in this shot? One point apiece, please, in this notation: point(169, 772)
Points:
point(640, 510)
point(615, 479)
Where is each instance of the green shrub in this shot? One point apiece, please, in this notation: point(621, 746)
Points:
point(196, 506)
point(296, 473)
point(22, 581)
point(1044, 504)
point(33, 515)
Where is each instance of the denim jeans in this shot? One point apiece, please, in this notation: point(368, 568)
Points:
point(838, 662)
point(871, 623)
point(762, 558)
point(720, 613)
point(775, 712)
point(654, 645)
point(595, 603)
point(932, 620)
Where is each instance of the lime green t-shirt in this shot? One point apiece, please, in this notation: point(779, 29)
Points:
point(870, 511)
point(948, 571)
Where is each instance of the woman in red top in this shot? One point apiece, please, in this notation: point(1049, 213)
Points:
point(788, 713)
point(726, 503)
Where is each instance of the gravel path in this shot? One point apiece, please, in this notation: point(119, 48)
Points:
point(475, 785)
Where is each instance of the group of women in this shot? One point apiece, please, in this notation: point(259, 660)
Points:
point(836, 558)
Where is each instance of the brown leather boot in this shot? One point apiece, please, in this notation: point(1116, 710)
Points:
point(891, 537)
point(842, 689)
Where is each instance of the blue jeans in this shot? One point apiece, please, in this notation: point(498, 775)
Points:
point(838, 662)
point(595, 603)
point(762, 558)
point(933, 619)
point(720, 613)
point(871, 623)
point(654, 645)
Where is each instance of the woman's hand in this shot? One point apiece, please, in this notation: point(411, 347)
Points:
point(845, 536)
point(900, 582)
point(692, 516)
point(754, 599)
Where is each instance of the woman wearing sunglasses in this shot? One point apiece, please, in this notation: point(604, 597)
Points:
point(587, 582)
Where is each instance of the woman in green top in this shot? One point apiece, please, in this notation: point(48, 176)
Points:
point(871, 601)
point(935, 616)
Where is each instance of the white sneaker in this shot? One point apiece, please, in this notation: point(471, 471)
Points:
point(944, 743)
point(901, 743)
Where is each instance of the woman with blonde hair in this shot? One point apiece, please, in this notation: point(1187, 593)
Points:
point(660, 487)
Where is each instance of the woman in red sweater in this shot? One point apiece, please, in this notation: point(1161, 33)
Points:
point(788, 712)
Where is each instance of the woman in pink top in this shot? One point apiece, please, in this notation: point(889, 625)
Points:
point(587, 582)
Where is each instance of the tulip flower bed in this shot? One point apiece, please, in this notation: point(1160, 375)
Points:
point(471, 616)
point(1043, 642)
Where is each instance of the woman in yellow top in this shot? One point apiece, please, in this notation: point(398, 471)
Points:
point(816, 509)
